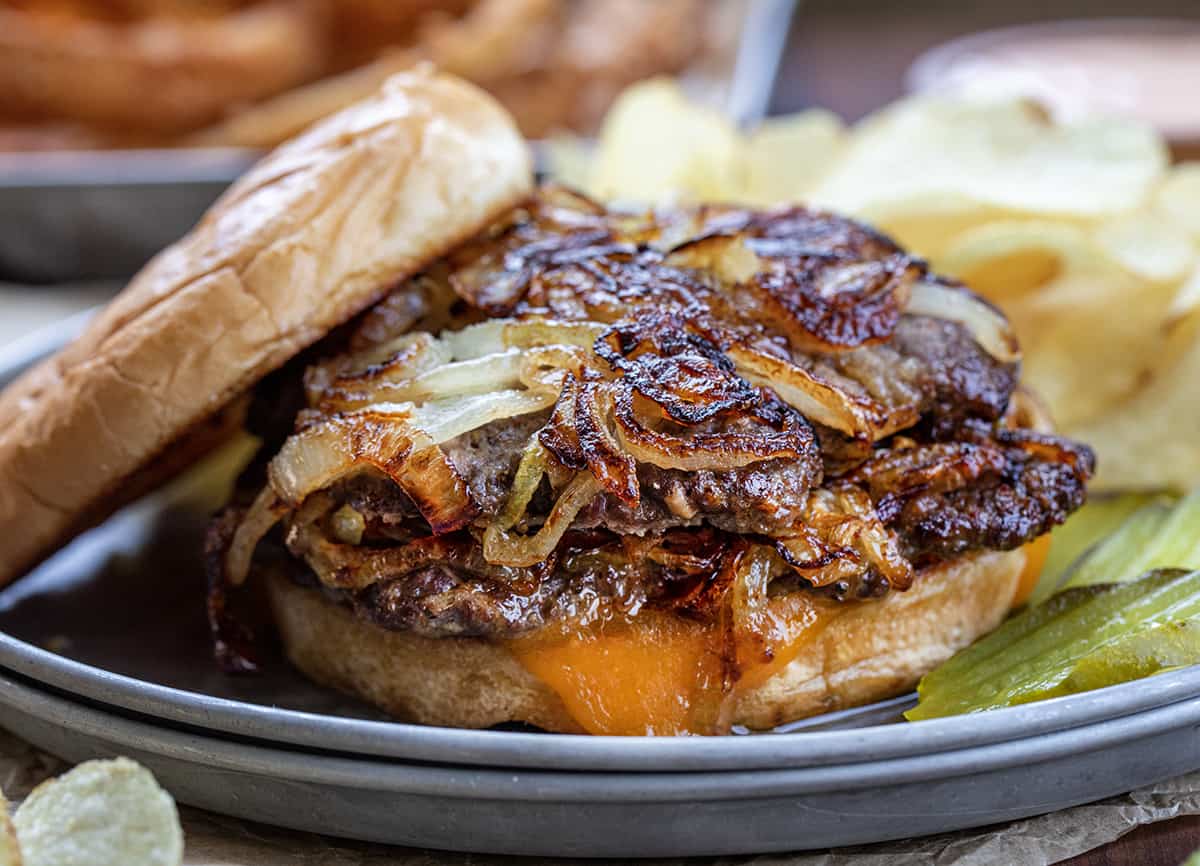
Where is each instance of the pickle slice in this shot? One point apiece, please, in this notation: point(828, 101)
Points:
point(1178, 542)
point(1035, 652)
point(1122, 553)
point(1151, 650)
point(1084, 529)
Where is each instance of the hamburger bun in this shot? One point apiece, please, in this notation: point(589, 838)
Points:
point(867, 652)
point(313, 234)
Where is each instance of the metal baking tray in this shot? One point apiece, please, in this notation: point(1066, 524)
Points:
point(75, 215)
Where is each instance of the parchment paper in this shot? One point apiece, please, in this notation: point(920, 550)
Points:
point(216, 840)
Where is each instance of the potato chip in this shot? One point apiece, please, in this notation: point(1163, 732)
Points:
point(10, 854)
point(569, 160)
point(101, 812)
point(929, 227)
point(1148, 246)
point(1009, 258)
point(1003, 155)
point(1089, 339)
point(1065, 298)
point(656, 146)
point(1178, 198)
point(1186, 301)
point(786, 157)
point(1148, 442)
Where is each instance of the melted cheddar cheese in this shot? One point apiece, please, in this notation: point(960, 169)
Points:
point(663, 674)
point(659, 673)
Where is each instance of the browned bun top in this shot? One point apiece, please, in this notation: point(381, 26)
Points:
point(317, 231)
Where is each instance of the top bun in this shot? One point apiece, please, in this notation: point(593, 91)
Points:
point(316, 232)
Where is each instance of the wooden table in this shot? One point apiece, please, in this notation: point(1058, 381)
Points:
point(1168, 843)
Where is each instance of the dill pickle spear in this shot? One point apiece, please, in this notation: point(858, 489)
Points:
point(1030, 657)
point(1009, 633)
point(1150, 650)
point(1151, 538)
point(1084, 530)
point(1121, 554)
point(1177, 544)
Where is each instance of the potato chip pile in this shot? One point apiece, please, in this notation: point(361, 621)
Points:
point(1083, 234)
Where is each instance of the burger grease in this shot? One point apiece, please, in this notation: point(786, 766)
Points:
point(615, 472)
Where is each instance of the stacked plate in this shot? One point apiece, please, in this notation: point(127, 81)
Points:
point(105, 652)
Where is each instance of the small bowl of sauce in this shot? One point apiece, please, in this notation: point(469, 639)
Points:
point(1144, 68)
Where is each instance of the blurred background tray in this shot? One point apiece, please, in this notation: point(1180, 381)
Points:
point(88, 214)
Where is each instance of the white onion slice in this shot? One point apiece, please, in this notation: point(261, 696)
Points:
point(817, 400)
point(475, 341)
point(439, 421)
point(542, 332)
point(264, 512)
point(989, 328)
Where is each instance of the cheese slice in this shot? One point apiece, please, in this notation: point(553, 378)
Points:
point(661, 673)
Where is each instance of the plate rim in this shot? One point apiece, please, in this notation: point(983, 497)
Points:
point(559, 786)
point(456, 746)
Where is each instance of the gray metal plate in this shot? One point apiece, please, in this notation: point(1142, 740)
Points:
point(619, 814)
point(123, 609)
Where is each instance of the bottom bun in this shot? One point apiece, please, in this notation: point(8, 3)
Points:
point(871, 651)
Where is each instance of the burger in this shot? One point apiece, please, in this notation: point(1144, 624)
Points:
point(525, 458)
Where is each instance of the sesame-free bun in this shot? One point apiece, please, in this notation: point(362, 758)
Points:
point(866, 651)
point(316, 232)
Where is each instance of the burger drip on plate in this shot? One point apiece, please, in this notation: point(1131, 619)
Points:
point(650, 453)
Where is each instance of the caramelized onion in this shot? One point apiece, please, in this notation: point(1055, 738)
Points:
point(348, 567)
point(725, 255)
point(1051, 449)
point(989, 328)
point(316, 457)
point(504, 547)
point(843, 538)
point(613, 469)
point(474, 376)
point(748, 595)
point(264, 513)
point(900, 471)
point(814, 398)
point(384, 437)
point(437, 490)
point(701, 451)
point(525, 334)
point(398, 359)
point(442, 420)
point(547, 367)
point(475, 341)
point(838, 307)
